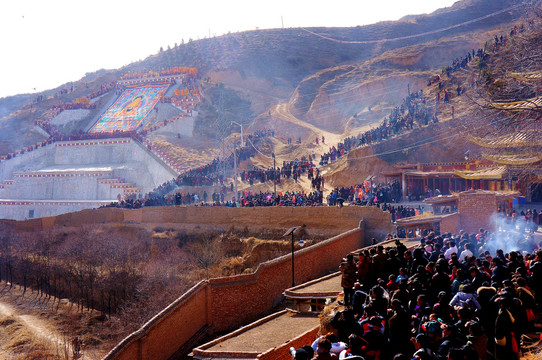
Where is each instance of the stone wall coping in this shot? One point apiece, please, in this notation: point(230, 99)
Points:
point(136, 335)
point(200, 350)
point(254, 276)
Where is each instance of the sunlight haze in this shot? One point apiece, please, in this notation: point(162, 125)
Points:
point(48, 43)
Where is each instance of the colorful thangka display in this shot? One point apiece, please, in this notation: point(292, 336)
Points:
point(129, 110)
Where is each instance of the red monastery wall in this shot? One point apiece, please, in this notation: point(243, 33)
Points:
point(222, 304)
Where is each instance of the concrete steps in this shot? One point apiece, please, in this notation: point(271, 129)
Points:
point(122, 188)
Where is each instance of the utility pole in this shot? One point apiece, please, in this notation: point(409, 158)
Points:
point(241, 125)
point(235, 173)
point(221, 130)
point(274, 176)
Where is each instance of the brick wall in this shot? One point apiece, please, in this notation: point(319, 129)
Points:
point(476, 209)
point(228, 302)
point(177, 325)
point(282, 352)
point(256, 293)
point(450, 224)
point(161, 336)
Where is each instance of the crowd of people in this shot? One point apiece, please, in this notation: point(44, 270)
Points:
point(26, 149)
point(217, 198)
point(290, 169)
point(211, 174)
point(174, 70)
point(413, 110)
point(161, 200)
point(367, 194)
point(449, 298)
point(164, 195)
point(259, 134)
point(336, 152)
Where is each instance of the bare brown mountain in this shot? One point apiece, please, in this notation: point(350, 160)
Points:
point(297, 81)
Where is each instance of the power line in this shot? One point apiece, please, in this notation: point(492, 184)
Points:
point(422, 142)
point(415, 35)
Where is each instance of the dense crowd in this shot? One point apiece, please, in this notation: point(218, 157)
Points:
point(217, 198)
point(288, 198)
point(451, 298)
point(164, 195)
point(211, 174)
point(290, 169)
point(366, 194)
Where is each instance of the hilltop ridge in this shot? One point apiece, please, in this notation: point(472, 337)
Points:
point(265, 67)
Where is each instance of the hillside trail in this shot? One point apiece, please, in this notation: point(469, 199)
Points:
point(289, 152)
point(26, 314)
point(282, 111)
point(39, 328)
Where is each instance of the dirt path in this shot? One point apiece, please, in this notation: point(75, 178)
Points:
point(287, 152)
point(14, 308)
point(282, 111)
point(33, 325)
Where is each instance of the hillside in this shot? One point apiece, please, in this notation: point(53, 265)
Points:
point(326, 89)
point(265, 67)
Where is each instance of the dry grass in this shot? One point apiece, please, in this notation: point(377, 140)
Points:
point(326, 315)
point(22, 342)
point(187, 157)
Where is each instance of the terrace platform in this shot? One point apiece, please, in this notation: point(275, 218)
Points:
point(267, 338)
point(312, 296)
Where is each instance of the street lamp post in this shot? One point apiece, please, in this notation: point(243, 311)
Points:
point(241, 125)
point(291, 231)
point(235, 175)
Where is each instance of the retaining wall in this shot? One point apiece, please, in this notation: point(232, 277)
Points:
point(322, 221)
point(70, 170)
point(223, 304)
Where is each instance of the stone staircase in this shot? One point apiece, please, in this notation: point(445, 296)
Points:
point(119, 188)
